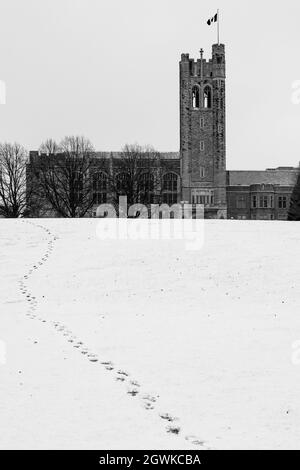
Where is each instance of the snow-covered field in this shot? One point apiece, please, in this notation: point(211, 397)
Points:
point(121, 344)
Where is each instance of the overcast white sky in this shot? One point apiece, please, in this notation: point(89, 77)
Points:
point(109, 70)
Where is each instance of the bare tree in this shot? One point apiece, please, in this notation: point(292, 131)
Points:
point(64, 175)
point(13, 197)
point(136, 174)
point(49, 147)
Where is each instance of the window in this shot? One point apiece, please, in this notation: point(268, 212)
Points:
point(202, 172)
point(207, 101)
point(282, 202)
point(147, 188)
point(205, 200)
point(204, 197)
point(170, 198)
point(100, 198)
point(201, 123)
point(264, 202)
point(99, 188)
point(170, 188)
point(170, 182)
point(202, 146)
point(254, 202)
point(220, 128)
point(78, 188)
point(196, 97)
point(241, 202)
point(123, 183)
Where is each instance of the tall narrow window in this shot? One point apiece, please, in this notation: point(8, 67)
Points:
point(123, 183)
point(77, 189)
point(202, 146)
point(99, 188)
point(147, 188)
point(202, 172)
point(202, 123)
point(196, 97)
point(207, 101)
point(170, 188)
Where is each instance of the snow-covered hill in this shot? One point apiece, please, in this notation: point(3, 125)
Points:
point(145, 344)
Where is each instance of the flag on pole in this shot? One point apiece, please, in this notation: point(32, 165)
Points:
point(214, 19)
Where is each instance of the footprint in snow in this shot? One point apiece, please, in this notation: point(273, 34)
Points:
point(122, 372)
point(92, 358)
point(134, 383)
point(196, 441)
point(148, 405)
point(168, 417)
point(173, 429)
point(150, 398)
point(133, 392)
point(120, 378)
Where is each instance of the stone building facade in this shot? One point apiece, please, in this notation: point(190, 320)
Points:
point(263, 195)
point(106, 166)
point(197, 174)
point(260, 195)
point(203, 131)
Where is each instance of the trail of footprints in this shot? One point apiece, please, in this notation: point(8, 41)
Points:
point(133, 388)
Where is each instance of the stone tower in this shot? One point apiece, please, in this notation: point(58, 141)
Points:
point(203, 131)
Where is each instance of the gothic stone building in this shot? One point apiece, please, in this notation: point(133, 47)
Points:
point(197, 174)
point(253, 195)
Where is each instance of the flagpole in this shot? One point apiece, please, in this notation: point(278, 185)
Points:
point(218, 28)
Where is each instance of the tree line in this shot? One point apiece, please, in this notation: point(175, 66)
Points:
point(67, 175)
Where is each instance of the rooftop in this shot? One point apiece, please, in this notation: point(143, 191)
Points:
point(284, 176)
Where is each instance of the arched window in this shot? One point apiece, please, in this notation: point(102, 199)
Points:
point(170, 188)
point(207, 97)
point(100, 188)
point(196, 97)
